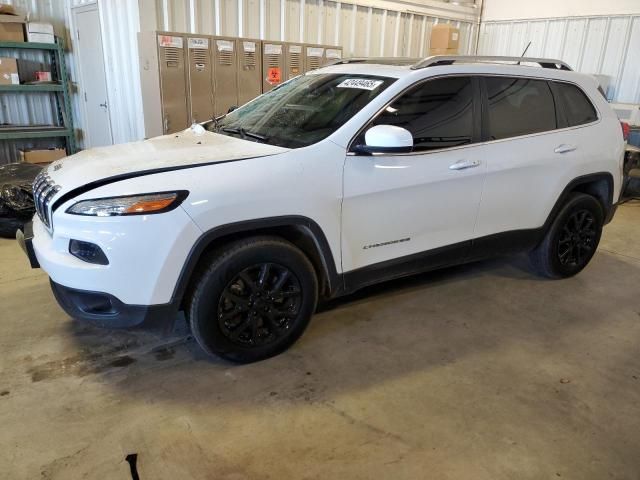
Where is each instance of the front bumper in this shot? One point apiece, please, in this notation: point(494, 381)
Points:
point(105, 310)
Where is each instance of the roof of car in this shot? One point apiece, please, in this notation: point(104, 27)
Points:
point(475, 65)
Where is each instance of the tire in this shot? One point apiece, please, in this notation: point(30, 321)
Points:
point(252, 299)
point(572, 239)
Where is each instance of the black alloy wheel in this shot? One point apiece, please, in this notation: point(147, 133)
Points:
point(252, 299)
point(571, 240)
point(577, 238)
point(258, 306)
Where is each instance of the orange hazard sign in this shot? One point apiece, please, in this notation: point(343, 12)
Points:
point(274, 75)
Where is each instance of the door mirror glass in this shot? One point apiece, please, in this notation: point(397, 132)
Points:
point(386, 139)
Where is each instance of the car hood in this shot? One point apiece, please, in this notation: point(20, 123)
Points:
point(190, 148)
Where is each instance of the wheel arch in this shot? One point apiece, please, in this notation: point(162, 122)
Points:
point(301, 231)
point(598, 185)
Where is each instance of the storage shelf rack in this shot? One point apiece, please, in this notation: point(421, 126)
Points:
point(60, 89)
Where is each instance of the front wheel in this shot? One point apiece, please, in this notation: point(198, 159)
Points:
point(572, 240)
point(253, 299)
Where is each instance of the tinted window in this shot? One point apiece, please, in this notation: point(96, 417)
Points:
point(438, 113)
point(577, 107)
point(519, 106)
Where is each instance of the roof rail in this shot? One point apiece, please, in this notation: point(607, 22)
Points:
point(438, 60)
point(398, 61)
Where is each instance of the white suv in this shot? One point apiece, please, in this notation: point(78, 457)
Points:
point(349, 175)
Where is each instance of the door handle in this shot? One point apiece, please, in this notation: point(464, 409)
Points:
point(564, 148)
point(103, 105)
point(464, 164)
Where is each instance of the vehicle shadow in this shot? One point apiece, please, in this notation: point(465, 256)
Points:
point(415, 324)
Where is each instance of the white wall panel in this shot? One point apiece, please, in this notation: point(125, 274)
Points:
point(596, 45)
point(120, 24)
point(360, 27)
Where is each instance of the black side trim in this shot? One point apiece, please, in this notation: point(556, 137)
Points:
point(407, 265)
point(105, 310)
point(141, 173)
point(505, 243)
point(308, 227)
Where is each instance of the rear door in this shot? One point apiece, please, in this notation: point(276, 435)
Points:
point(527, 152)
point(422, 205)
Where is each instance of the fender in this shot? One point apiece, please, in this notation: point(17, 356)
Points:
point(309, 229)
point(606, 198)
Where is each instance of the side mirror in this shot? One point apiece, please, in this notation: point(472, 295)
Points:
point(386, 139)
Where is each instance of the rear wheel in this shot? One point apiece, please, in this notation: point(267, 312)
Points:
point(253, 299)
point(572, 240)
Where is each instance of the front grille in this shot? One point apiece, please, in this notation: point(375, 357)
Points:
point(44, 189)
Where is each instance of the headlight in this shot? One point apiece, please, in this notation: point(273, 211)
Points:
point(129, 205)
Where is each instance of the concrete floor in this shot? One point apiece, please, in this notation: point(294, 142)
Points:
point(476, 372)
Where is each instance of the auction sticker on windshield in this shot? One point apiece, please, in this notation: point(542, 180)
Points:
point(361, 83)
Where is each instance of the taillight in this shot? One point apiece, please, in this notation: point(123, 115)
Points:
point(626, 130)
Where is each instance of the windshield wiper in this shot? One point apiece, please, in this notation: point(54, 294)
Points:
point(244, 133)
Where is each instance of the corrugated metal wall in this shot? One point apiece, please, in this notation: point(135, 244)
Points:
point(360, 29)
point(596, 45)
point(120, 24)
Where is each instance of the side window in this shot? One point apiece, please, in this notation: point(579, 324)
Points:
point(519, 106)
point(578, 109)
point(438, 113)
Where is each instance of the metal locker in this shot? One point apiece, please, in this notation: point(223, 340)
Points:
point(313, 57)
point(249, 70)
point(272, 64)
point(331, 54)
point(225, 74)
point(200, 74)
point(294, 60)
point(173, 82)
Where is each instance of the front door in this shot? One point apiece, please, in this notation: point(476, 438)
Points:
point(418, 208)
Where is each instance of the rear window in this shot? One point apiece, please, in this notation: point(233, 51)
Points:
point(578, 109)
point(519, 106)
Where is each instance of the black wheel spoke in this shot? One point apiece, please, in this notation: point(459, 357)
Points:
point(244, 276)
point(235, 299)
point(577, 238)
point(280, 282)
point(259, 305)
point(254, 329)
point(235, 333)
point(285, 313)
point(264, 273)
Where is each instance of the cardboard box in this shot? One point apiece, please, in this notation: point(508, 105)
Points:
point(11, 28)
point(445, 36)
point(40, 32)
point(9, 71)
point(443, 51)
point(42, 156)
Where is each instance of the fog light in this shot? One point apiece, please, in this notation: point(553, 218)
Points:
point(88, 252)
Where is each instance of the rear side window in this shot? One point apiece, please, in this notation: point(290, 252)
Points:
point(519, 106)
point(438, 113)
point(578, 109)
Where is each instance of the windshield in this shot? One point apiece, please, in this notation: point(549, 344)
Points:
point(303, 110)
